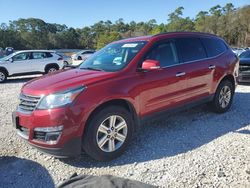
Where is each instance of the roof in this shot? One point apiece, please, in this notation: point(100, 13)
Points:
point(149, 37)
point(35, 51)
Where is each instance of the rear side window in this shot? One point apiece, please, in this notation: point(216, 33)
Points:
point(38, 55)
point(214, 46)
point(165, 53)
point(190, 49)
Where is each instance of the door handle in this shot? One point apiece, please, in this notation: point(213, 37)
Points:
point(179, 74)
point(211, 67)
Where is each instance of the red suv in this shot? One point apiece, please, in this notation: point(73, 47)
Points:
point(98, 106)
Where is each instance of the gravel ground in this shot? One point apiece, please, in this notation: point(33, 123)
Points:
point(195, 148)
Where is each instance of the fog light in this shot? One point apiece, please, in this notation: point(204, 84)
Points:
point(53, 137)
point(49, 135)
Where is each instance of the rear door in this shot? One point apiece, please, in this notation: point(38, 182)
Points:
point(162, 88)
point(197, 67)
point(39, 61)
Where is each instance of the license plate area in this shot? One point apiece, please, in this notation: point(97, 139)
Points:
point(21, 130)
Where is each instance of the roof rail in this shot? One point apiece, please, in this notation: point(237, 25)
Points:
point(203, 33)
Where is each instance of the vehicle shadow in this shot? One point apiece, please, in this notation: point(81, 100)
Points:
point(178, 133)
point(22, 79)
point(16, 172)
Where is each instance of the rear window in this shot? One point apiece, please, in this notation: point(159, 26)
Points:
point(214, 46)
point(190, 49)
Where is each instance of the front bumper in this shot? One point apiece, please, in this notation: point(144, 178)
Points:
point(69, 143)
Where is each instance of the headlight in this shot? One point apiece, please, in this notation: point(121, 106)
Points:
point(59, 99)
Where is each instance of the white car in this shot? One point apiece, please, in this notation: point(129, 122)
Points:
point(29, 62)
point(81, 56)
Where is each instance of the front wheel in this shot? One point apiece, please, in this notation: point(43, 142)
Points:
point(108, 133)
point(223, 97)
point(3, 76)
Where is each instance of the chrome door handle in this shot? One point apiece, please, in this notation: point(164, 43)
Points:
point(178, 74)
point(211, 67)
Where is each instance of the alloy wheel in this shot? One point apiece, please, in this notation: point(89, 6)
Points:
point(112, 133)
point(52, 70)
point(225, 96)
point(2, 76)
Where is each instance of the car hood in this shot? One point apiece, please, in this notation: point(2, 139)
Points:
point(245, 61)
point(64, 79)
point(2, 61)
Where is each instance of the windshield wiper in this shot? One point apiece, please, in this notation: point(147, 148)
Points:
point(92, 68)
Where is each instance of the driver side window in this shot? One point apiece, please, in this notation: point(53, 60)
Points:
point(165, 53)
point(21, 57)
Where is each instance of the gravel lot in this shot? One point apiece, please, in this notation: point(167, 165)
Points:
point(195, 148)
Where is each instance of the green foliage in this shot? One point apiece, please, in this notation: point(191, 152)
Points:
point(233, 24)
point(106, 38)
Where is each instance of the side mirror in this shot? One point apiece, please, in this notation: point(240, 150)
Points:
point(149, 64)
point(10, 60)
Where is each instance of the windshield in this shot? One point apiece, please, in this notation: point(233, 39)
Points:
point(245, 54)
point(7, 57)
point(113, 57)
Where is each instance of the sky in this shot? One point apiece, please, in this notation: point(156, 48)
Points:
point(80, 13)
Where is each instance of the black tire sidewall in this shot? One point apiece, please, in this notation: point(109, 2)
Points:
point(89, 138)
point(4, 75)
point(216, 105)
point(50, 67)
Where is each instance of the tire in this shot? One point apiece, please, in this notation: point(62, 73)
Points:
point(223, 97)
point(3, 76)
point(98, 144)
point(51, 69)
point(65, 63)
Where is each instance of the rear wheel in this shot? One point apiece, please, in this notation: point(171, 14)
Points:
point(51, 69)
point(223, 97)
point(3, 76)
point(108, 133)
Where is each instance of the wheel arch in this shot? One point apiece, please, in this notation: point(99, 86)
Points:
point(115, 102)
point(5, 70)
point(230, 78)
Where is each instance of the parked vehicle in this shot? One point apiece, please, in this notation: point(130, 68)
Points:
point(66, 59)
point(29, 62)
point(238, 51)
point(244, 73)
point(100, 105)
point(9, 50)
point(81, 56)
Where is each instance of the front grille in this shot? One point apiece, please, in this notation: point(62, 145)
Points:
point(244, 68)
point(28, 103)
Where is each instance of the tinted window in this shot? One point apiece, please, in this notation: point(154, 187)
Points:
point(21, 57)
point(190, 49)
point(49, 54)
point(245, 54)
point(39, 55)
point(213, 46)
point(165, 53)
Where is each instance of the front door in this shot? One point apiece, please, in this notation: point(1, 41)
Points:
point(162, 88)
point(21, 63)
